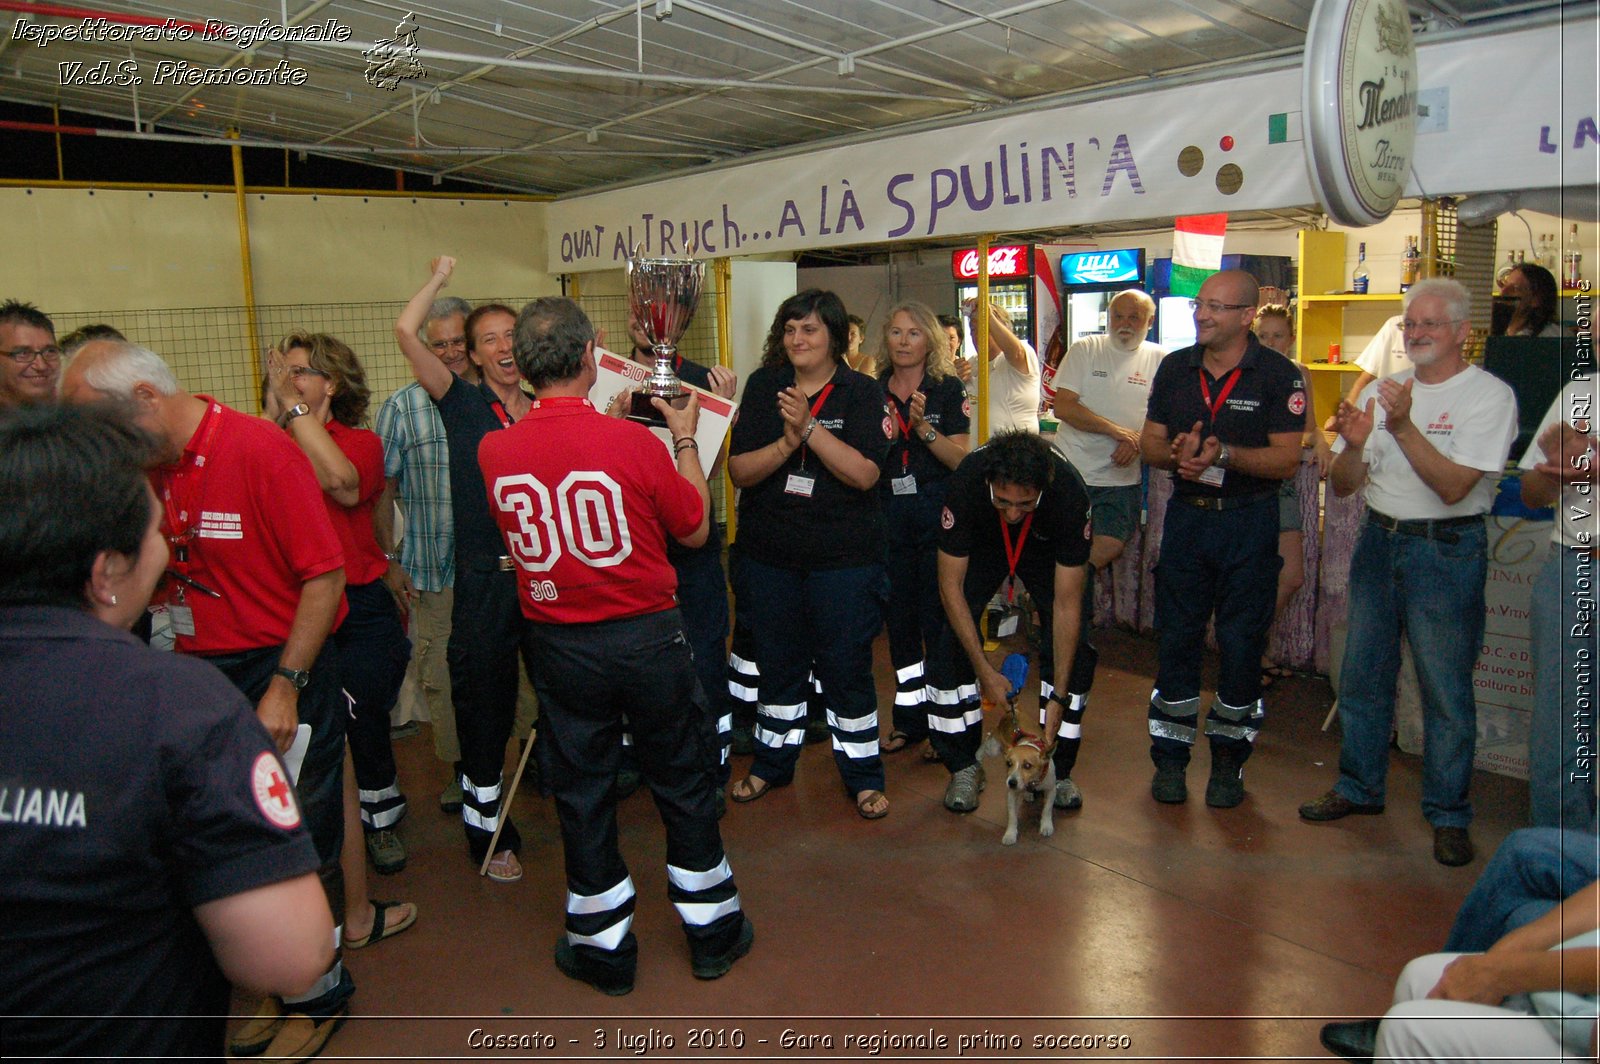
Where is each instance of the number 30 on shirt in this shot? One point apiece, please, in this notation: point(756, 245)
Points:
point(583, 516)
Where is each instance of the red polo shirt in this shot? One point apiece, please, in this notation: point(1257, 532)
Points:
point(245, 507)
point(586, 503)
point(363, 561)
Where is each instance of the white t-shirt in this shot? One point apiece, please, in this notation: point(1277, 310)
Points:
point(1115, 384)
point(1385, 355)
point(1575, 524)
point(1471, 419)
point(1013, 396)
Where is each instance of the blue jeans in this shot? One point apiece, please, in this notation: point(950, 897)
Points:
point(825, 620)
point(1431, 589)
point(1533, 871)
point(1561, 741)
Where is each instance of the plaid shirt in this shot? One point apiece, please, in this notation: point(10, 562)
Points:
point(417, 456)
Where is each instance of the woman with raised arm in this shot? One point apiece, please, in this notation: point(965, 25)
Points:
point(320, 391)
point(485, 619)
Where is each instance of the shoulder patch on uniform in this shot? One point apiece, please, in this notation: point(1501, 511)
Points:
point(1297, 403)
point(273, 792)
point(947, 520)
point(966, 406)
point(888, 425)
point(1088, 530)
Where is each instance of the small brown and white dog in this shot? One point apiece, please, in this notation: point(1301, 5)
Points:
point(1030, 774)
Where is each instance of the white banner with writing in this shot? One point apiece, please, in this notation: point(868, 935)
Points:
point(1229, 145)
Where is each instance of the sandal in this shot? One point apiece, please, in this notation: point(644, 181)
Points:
point(383, 925)
point(872, 805)
point(749, 789)
point(929, 754)
point(896, 742)
point(504, 868)
point(1277, 671)
point(1266, 680)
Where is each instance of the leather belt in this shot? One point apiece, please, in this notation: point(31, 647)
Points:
point(1224, 502)
point(1443, 529)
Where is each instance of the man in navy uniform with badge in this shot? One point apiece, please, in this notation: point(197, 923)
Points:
point(1225, 417)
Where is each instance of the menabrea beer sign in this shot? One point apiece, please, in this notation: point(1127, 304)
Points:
point(1360, 96)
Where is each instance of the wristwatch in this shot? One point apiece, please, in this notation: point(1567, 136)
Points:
point(930, 435)
point(1224, 457)
point(298, 677)
point(295, 411)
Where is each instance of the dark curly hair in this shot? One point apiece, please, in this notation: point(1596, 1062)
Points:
point(828, 308)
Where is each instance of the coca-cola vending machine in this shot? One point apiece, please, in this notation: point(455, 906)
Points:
point(1013, 270)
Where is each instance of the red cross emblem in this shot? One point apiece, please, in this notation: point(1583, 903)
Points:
point(273, 794)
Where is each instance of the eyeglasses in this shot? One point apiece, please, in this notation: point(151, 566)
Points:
point(23, 356)
point(305, 371)
point(1213, 307)
point(1428, 324)
point(1011, 504)
point(445, 345)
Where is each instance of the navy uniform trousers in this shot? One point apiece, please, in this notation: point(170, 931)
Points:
point(1222, 562)
point(373, 654)
point(595, 680)
point(486, 625)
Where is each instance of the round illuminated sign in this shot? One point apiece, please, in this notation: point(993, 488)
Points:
point(1360, 100)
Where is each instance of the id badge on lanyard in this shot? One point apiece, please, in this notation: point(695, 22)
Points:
point(1214, 475)
point(802, 483)
point(906, 482)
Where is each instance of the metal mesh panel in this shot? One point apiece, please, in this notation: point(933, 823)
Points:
point(209, 347)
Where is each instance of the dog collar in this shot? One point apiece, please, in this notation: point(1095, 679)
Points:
point(1022, 738)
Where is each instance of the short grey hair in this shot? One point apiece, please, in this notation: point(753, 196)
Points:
point(1457, 300)
point(552, 334)
point(119, 366)
point(443, 307)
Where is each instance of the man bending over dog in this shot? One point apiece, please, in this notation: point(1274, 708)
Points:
point(1015, 510)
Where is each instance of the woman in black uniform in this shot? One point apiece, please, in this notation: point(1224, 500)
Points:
point(931, 413)
point(806, 451)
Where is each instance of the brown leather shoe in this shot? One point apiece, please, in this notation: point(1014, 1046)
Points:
point(1452, 846)
point(1335, 806)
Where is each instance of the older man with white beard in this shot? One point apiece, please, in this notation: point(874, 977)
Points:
point(1419, 444)
point(1102, 391)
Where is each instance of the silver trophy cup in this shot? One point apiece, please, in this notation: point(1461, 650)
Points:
point(662, 294)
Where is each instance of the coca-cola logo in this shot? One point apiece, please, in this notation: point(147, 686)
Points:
point(1008, 261)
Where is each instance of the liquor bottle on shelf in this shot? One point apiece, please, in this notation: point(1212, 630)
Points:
point(1410, 264)
point(1358, 282)
point(1572, 262)
point(1546, 253)
point(1504, 272)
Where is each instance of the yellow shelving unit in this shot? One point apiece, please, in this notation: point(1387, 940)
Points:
point(1320, 317)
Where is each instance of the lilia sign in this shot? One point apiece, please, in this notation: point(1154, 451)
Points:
point(1360, 99)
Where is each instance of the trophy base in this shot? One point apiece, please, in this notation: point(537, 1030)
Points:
point(645, 413)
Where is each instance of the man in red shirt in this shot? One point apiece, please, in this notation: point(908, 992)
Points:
point(586, 504)
point(259, 585)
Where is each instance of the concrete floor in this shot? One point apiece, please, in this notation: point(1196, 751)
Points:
point(1189, 932)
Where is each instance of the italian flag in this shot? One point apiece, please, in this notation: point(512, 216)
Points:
point(1196, 251)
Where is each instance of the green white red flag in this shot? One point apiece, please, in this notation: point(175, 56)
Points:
point(1196, 251)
